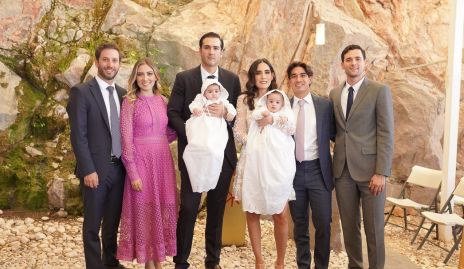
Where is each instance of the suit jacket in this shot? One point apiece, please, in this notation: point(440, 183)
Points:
point(365, 140)
point(325, 132)
point(90, 128)
point(186, 86)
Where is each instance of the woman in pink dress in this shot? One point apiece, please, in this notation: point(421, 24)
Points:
point(149, 212)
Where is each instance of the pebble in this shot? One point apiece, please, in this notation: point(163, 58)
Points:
point(61, 213)
point(28, 221)
point(40, 236)
point(1, 212)
point(24, 239)
point(61, 229)
point(44, 218)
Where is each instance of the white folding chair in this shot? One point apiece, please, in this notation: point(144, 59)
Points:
point(423, 177)
point(448, 218)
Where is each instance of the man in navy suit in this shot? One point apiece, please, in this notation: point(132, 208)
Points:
point(186, 86)
point(93, 111)
point(313, 181)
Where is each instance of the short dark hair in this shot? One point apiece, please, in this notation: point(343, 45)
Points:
point(105, 46)
point(213, 35)
point(353, 47)
point(295, 64)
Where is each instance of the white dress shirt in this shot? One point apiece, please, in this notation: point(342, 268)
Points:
point(106, 96)
point(205, 74)
point(344, 96)
point(310, 129)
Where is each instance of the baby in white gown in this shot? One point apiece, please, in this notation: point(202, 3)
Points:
point(270, 166)
point(207, 136)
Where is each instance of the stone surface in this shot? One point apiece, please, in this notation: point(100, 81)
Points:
point(33, 152)
point(17, 20)
point(56, 193)
point(73, 74)
point(9, 104)
point(129, 19)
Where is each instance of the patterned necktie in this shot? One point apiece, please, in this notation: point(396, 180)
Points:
point(299, 134)
point(349, 102)
point(114, 120)
point(211, 76)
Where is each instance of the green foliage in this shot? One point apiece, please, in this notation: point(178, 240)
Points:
point(23, 184)
point(29, 100)
point(74, 205)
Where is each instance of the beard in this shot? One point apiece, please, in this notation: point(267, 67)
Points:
point(103, 74)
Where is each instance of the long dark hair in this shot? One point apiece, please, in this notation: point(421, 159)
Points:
point(251, 89)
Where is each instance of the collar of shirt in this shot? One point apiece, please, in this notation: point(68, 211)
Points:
point(205, 74)
point(356, 86)
point(308, 98)
point(103, 84)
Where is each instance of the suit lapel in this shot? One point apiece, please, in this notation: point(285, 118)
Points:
point(197, 81)
point(317, 110)
point(338, 102)
point(96, 92)
point(120, 92)
point(359, 96)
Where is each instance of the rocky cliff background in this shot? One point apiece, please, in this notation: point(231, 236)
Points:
point(46, 46)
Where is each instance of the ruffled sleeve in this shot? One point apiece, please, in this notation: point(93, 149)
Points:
point(240, 126)
point(196, 103)
point(127, 143)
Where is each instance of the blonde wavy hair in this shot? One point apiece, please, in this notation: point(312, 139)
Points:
point(133, 88)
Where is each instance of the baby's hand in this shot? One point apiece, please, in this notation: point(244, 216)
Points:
point(265, 113)
point(197, 111)
point(282, 120)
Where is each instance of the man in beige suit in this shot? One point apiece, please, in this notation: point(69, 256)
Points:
point(362, 157)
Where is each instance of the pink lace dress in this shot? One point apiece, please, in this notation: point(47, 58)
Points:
point(149, 217)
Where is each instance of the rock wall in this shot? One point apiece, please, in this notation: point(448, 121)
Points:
point(47, 46)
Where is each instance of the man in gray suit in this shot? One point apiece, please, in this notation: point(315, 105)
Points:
point(313, 181)
point(362, 157)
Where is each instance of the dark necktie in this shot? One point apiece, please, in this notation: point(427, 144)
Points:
point(211, 76)
point(349, 102)
point(114, 120)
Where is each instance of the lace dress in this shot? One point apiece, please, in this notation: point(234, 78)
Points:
point(149, 217)
point(241, 126)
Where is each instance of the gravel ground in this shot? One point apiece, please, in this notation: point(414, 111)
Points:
point(56, 243)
